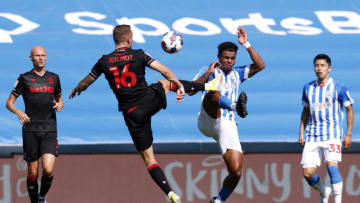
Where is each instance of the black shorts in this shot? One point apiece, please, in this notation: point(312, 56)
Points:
point(37, 143)
point(138, 117)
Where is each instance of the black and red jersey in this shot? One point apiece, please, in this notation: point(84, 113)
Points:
point(124, 70)
point(39, 94)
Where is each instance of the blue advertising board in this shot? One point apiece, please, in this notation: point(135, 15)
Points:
point(287, 35)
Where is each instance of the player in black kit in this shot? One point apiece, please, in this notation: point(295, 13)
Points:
point(41, 92)
point(124, 70)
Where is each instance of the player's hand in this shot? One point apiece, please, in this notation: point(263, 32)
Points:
point(23, 117)
point(212, 66)
point(74, 92)
point(58, 105)
point(301, 140)
point(347, 141)
point(180, 92)
point(242, 36)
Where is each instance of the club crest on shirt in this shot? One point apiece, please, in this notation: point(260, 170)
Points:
point(328, 94)
point(51, 81)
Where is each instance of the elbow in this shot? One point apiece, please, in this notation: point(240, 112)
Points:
point(7, 105)
point(261, 66)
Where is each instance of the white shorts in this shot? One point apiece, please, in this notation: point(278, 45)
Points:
point(224, 131)
point(314, 151)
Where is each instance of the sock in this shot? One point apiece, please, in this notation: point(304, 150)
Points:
point(315, 183)
point(188, 86)
point(158, 176)
point(224, 193)
point(226, 103)
point(337, 190)
point(45, 184)
point(336, 182)
point(32, 187)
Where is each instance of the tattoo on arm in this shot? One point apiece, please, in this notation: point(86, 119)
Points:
point(85, 83)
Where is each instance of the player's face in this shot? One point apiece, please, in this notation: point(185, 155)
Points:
point(322, 69)
point(38, 57)
point(227, 60)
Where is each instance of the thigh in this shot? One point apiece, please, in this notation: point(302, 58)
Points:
point(49, 143)
point(208, 126)
point(31, 146)
point(139, 126)
point(228, 136)
point(211, 104)
point(312, 155)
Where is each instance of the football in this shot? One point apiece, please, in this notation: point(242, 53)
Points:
point(172, 42)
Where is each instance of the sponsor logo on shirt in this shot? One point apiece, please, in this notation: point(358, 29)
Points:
point(321, 106)
point(42, 89)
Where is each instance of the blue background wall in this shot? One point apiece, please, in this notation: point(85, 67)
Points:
point(274, 94)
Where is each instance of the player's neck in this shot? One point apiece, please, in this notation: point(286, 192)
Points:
point(39, 71)
point(121, 46)
point(323, 81)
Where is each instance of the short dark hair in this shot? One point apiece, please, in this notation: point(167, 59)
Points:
point(226, 46)
point(323, 56)
point(121, 33)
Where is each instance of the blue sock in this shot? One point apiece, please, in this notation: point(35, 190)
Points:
point(224, 102)
point(224, 193)
point(334, 174)
point(315, 179)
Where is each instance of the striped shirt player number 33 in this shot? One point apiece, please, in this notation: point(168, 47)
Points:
point(326, 103)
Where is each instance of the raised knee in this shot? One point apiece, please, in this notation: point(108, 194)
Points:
point(236, 173)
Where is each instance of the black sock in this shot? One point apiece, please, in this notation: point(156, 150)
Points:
point(158, 176)
point(188, 86)
point(33, 188)
point(45, 184)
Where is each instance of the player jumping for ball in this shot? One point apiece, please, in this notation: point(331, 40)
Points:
point(124, 69)
point(217, 118)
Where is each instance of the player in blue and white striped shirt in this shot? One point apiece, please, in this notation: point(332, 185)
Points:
point(322, 123)
point(217, 118)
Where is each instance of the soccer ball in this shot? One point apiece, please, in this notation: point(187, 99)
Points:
point(172, 42)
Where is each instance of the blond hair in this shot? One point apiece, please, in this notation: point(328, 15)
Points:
point(121, 33)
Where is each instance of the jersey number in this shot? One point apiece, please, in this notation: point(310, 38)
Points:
point(335, 148)
point(127, 79)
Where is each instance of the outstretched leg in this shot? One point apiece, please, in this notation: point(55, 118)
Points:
point(189, 86)
point(157, 174)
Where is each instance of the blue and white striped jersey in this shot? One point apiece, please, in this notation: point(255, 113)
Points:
point(326, 104)
point(232, 81)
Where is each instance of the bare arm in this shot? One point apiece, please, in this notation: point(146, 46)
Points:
point(350, 124)
point(258, 64)
point(210, 71)
point(304, 120)
point(82, 86)
point(10, 104)
point(169, 75)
